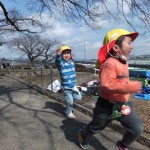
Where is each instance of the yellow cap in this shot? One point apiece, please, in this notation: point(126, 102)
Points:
point(65, 47)
point(116, 33)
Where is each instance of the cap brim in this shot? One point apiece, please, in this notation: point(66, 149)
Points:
point(104, 51)
point(65, 50)
point(134, 35)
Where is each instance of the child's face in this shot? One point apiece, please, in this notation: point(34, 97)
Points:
point(66, 54)
point(127, 47)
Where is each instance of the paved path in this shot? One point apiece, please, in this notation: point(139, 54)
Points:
point(32, 121)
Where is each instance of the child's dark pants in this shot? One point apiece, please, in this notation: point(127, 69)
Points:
point(102, 117)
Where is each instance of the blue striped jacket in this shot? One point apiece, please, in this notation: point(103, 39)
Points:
point(67, 72)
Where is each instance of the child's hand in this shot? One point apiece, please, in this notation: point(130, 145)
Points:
point(125, 110)
point(58, 51)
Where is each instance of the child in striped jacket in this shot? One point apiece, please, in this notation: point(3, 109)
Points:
point(67, 72)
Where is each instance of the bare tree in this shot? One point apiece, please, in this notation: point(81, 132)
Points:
point(34, 47)
point(135, 12)
point(13, 20)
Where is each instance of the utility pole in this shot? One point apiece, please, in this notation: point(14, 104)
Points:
point(12, 58)
point(84, 53)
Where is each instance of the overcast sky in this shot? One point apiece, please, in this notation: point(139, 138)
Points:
point(84, 41)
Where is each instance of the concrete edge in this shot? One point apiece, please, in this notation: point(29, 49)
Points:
point(143, 139)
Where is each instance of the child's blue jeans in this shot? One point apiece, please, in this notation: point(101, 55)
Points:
point(70, 96)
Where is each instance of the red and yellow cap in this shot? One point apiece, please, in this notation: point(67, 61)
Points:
point(110, 40)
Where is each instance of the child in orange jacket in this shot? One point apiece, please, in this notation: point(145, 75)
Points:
point(115, 88)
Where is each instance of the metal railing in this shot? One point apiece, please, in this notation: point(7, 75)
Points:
point(40, 74)
point(43, 74)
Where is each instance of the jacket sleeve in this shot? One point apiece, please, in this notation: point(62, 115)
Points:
point(110, 84)
point(58, 60)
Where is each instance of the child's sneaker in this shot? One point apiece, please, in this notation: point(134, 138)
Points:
point(119, 146)
point(82, 140)
point(71, 115)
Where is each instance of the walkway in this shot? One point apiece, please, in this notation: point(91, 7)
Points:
point(32, 121)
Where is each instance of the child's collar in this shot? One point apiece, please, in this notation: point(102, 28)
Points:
point(67, 61)
point(122, 61)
